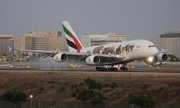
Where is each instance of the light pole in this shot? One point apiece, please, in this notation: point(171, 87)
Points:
point(31, 97)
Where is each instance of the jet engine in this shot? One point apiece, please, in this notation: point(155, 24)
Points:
point(159, 58)
point(60, 57)
point(92, 60)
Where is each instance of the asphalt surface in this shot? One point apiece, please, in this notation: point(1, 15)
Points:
point(48, 65)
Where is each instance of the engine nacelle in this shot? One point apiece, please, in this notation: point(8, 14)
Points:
point(160, 58)
point(60, 57)
point(92, 60)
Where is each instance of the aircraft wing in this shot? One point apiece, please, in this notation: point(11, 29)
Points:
point(80, 57)
point(46, 53)
point(37, 51)
point(86, 58)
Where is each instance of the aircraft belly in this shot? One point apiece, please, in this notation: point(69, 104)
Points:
point(107, 61)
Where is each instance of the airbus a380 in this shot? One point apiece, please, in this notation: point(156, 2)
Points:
point(108, 54)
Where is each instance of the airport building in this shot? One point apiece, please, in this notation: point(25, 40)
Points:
point(169, 41)
point(41, 41)
point(5, 41)
point(100, 39)
point(44, 33)
point(57, 43)
point(170, 35)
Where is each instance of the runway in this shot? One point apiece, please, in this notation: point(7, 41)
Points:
point(51, 66)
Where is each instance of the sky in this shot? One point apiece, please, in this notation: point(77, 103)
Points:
point(138, 19)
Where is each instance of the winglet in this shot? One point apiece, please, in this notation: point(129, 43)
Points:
point(73, 42)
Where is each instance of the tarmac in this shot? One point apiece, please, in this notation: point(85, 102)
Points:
point(48, 64)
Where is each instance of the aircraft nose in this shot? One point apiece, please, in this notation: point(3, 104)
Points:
point(155, 51)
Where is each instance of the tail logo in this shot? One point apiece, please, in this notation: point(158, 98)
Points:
point(75, 43)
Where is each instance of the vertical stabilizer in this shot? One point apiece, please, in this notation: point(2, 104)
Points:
point(73, 42)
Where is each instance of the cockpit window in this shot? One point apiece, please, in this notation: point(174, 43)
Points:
point(151, 46)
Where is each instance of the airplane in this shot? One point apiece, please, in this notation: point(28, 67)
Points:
point(109, 55)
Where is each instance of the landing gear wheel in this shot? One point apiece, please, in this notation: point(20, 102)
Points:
point(102, 68)
point(123, 68)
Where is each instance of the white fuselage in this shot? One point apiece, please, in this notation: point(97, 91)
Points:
point(132, 50)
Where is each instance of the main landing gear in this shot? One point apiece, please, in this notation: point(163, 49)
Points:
point(124, 67)
point(106, 68)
